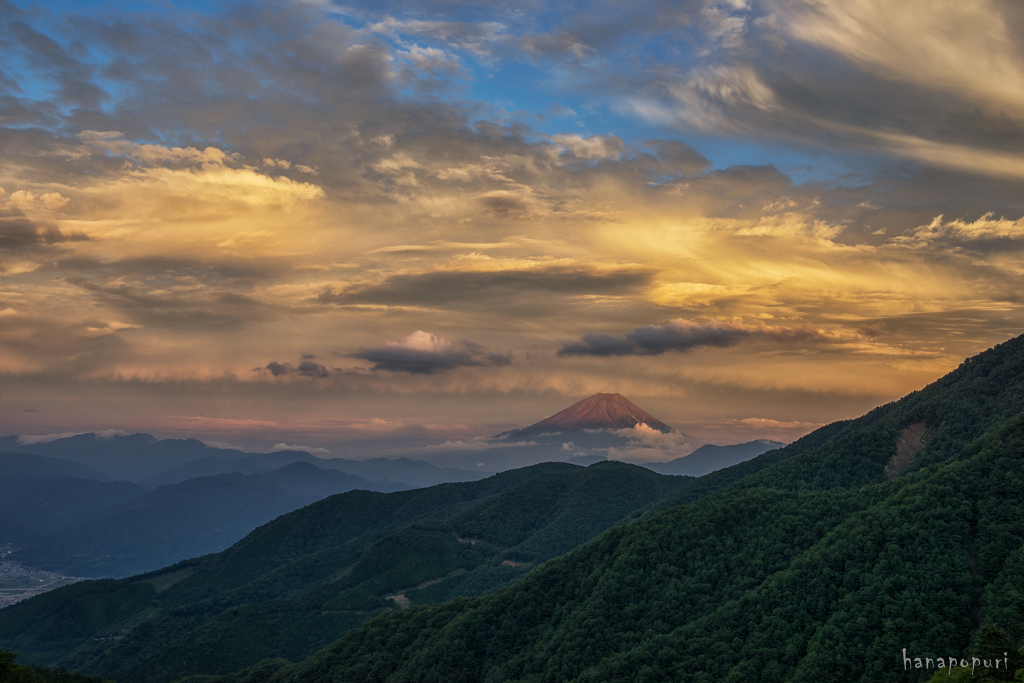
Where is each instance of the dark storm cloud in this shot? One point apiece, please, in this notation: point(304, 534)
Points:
point(306, 368)
point(677, 335)
point(844, 77)
point(264, 79)
point(920, 328)
point(69, 348)
point(278, 369)
point(504, 205)
point(839, 76)
point(502, 288)
point(742, 68)
point(48, 58)
point(44, 156)
point(19, 232)
point(300, 91)
point(678, 157)
point(422, 353)
point(202, 308)
point(163, 271)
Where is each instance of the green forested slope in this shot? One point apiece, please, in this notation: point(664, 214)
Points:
point(811, 565)
point(985, 391)
point(298, 583)
point(12, 672)
point(808, 563)
point(761, 584)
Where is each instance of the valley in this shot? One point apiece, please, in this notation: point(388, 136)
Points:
point(18, 582)
point(901, 526)
point(435, 341)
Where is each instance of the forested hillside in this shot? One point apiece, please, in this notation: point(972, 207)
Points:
point(298, 583)
point(818, 562)
point(12, 672)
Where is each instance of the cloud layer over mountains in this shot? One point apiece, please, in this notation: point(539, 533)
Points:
point(740, 211)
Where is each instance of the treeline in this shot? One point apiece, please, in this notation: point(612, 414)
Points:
point(759, 584)
point(12, 672)
point(299, 583)
point(811, 565)
point(807, 564)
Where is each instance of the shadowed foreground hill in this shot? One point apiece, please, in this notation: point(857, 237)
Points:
point(811, 563)
point(298, 583)
point(12, 672)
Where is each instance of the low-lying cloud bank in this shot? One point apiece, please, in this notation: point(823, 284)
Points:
point(680, 335)
point(424, 353)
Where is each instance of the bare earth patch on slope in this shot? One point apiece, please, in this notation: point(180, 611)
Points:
point(405, 603)
point(910, 442)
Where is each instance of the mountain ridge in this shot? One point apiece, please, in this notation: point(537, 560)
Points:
point(312, 574)
point(141, 457)
point(709, 458)
point(143, 530)
point(804, 564)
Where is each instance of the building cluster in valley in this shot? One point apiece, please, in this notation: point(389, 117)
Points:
point(18, 582)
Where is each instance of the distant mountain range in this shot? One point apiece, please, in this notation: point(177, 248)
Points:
point(386, 470)
point(585, 432)
point(295, 584)
point(40, 495)
point(594, 427)
point(177, 521)
point(143, 458)
point(709, 458)
point(819, 561)
point(86, 527)
point(704, 460)
point(131, 457)
point(91, 505)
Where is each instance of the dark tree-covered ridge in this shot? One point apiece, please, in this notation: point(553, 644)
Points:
point(807, 564)
point(300, 582)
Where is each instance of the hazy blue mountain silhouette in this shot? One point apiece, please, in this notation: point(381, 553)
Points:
point(189, 519)
point(710, 458)
point(144, 458)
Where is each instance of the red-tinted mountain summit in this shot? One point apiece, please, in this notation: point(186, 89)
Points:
point(600, 411)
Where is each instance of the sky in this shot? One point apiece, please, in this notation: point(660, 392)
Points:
point(321, 224)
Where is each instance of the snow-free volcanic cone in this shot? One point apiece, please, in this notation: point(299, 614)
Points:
point(600, 411)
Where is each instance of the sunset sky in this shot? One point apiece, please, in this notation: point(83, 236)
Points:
point(317, 223)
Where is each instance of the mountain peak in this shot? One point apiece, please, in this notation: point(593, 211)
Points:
point(600, 411)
